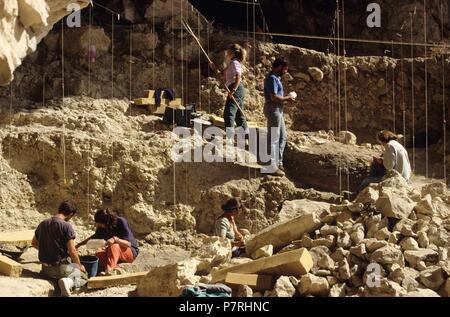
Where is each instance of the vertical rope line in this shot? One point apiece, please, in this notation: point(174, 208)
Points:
point(403, 108)
point(209, 71)
point(339, 88)
point(199, 65)
point(112, 55)
point(444, 111)
point(89, 51)
point(394, 110)
point(426, 85)
point(43, 90)
point(154, 46)
point(112, 173)
point(345, 90)
point(173, 78)
point(63, 143)
point(413, 96)
point(131, 61)
point(10, 115)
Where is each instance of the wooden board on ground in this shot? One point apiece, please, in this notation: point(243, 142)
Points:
point(115, 280)
point(257, 282)
point(17, 238)
point(281, 234)
point(293, 263)
point(9, 267)
point(220, 122)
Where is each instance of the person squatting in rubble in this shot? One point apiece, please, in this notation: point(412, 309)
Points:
point(54, 238)
point(225, 226)
point(395, 157)
point(121, 245)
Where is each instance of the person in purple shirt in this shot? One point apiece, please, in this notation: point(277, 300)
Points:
point(121, 245)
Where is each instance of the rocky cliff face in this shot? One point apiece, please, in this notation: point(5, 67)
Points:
point(23, 24)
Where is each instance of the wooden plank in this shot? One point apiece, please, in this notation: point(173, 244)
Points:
point(257, 282)
point(9, 267)
point(176, 104)
point(295, 263)
point(150, 94)
point(143, 101)
point(18, 238)
point(281, 234)
point(115, 280)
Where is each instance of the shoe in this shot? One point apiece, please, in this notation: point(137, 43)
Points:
point(115, 271)
point(65, 285)
point(281, 167)
point(278, 173)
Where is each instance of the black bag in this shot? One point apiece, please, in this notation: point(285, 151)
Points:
point(181, 117)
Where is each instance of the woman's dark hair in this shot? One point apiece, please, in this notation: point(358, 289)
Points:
point(67, 208)
point(239, 52)
point(280, 61)
point(106, 217)
point(385, 136)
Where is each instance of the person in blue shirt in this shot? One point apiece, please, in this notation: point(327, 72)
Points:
point(273, 110)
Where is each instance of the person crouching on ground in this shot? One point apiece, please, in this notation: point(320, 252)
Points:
point(121, 246)
point(395, 157)
point(54, 238)
point(225, 226)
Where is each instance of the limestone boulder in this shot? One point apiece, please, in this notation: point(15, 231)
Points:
point(214, 251)
point(313, 285)
point(167, 281)
point(394, 204)
point(283, 288)
point(296, 208)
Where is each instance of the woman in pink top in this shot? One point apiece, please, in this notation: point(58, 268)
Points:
point(232, 115)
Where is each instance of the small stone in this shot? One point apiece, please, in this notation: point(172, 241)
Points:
point(244, 291)
point(332, 280)
point(344, 270)
point(409, 244)
point(344, 241)
point(316, 73)
point(263, 252)
point(339, 255)
point(424, 242)
point(338, 290)
point(327, 241)
point(421, 266)
point(388, 255)
point(307, 242)
point(283, 288)
point(383, 234)
point(294, 281)
point(359, 251)
point(313, 285)
point(327, 230)
point(326, 262)
point(413, 257)
point(357, 236)
point(374, 244)
point(432, 277)
point(394, 237)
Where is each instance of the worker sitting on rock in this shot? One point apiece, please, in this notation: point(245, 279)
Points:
point(225, 226)
point(121, 246)
point(54, 238)
point(395, 157)
point(273, 110)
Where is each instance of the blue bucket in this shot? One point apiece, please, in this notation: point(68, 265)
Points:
point(90, 262)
